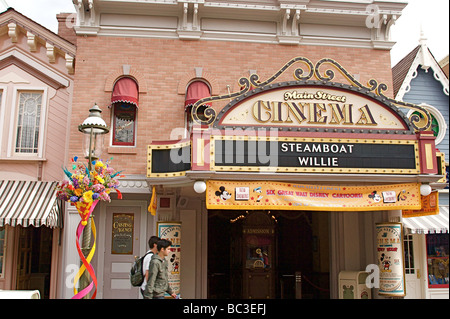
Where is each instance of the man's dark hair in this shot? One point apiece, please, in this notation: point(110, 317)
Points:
point(153, 241)
point(163, 243)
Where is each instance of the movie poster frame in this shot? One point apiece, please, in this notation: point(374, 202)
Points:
point(381, 291)
point(177, 280)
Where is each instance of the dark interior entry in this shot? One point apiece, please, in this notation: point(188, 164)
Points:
point(34, 257)
point(257, 254)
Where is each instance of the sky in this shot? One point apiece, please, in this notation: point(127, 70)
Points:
point(430, 15)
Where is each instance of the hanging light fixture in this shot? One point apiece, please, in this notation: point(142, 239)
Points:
point(94, 129)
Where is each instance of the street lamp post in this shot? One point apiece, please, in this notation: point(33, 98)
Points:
point(94, 128)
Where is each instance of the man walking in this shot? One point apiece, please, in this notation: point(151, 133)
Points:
point(158, 273)
point(146, 263)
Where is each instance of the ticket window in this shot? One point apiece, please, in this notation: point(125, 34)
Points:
point(258, 258)
point(259, 252)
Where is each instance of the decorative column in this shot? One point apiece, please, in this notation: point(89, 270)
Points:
point(427, 152)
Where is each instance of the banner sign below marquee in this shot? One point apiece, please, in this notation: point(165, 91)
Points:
point(288, 196)
point(430, 206)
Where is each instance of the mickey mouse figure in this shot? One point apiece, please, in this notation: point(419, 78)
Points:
point(385, 261)
point(223, 194)
point(175, 263)
point(376, 197)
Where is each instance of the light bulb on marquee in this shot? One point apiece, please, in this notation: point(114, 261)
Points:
point(200, 187)
point(425, 190)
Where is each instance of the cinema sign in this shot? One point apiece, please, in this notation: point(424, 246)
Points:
point(313, 127)
point(313, 107)
point(308, 125)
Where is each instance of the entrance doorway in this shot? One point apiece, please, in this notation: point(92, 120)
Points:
point(261, 254)
point(34, 255)
point(124, 224)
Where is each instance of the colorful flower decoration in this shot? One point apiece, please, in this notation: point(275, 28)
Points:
point(84, 187)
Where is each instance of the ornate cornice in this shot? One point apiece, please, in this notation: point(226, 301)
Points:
point(15, 25)
point(186, 19)
point(134, 184)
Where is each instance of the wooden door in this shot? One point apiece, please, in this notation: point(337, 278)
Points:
point(122, 244)
point(413, 269)
point(25, 245)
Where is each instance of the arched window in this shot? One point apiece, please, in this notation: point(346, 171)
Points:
point(438, 122)
point(124, 100)
point(196, 90)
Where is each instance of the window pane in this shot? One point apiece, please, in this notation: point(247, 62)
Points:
point(124, 124)
point(409, 254)
point(28, 121)
point(2, 248)
point(437, 260)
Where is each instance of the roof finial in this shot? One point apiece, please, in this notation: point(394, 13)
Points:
point(425, 55)
point(423, 39)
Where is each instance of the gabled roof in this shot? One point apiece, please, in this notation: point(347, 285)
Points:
point(400, 70)
point(405, 70)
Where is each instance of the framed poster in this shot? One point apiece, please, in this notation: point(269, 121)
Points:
point(390, 259)
point(122, 234)
point(172, 231)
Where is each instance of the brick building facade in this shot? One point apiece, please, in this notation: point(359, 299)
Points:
point(164, 47)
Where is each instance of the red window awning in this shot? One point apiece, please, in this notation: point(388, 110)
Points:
point(125, 90)
point(196, 91)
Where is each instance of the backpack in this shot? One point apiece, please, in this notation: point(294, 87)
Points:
point(137, 273)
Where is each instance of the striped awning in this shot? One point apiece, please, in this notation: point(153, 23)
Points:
point(29, 203)
point(428, 224)
point(125, 90)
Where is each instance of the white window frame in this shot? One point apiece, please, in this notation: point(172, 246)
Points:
point(2, 111)
point(42, 124)
point(111, 136)
point(2, 273)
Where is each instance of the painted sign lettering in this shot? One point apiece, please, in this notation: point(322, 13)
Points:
point(312, 113)
point(311, 106)
point(304, 154)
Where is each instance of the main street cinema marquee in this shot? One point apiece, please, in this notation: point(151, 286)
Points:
point(308, 125)
point(311, 108)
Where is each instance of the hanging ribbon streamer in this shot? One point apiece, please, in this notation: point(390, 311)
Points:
point(84, 187)
point(85, 210)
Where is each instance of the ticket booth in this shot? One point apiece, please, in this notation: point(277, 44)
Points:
point(254, 256)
